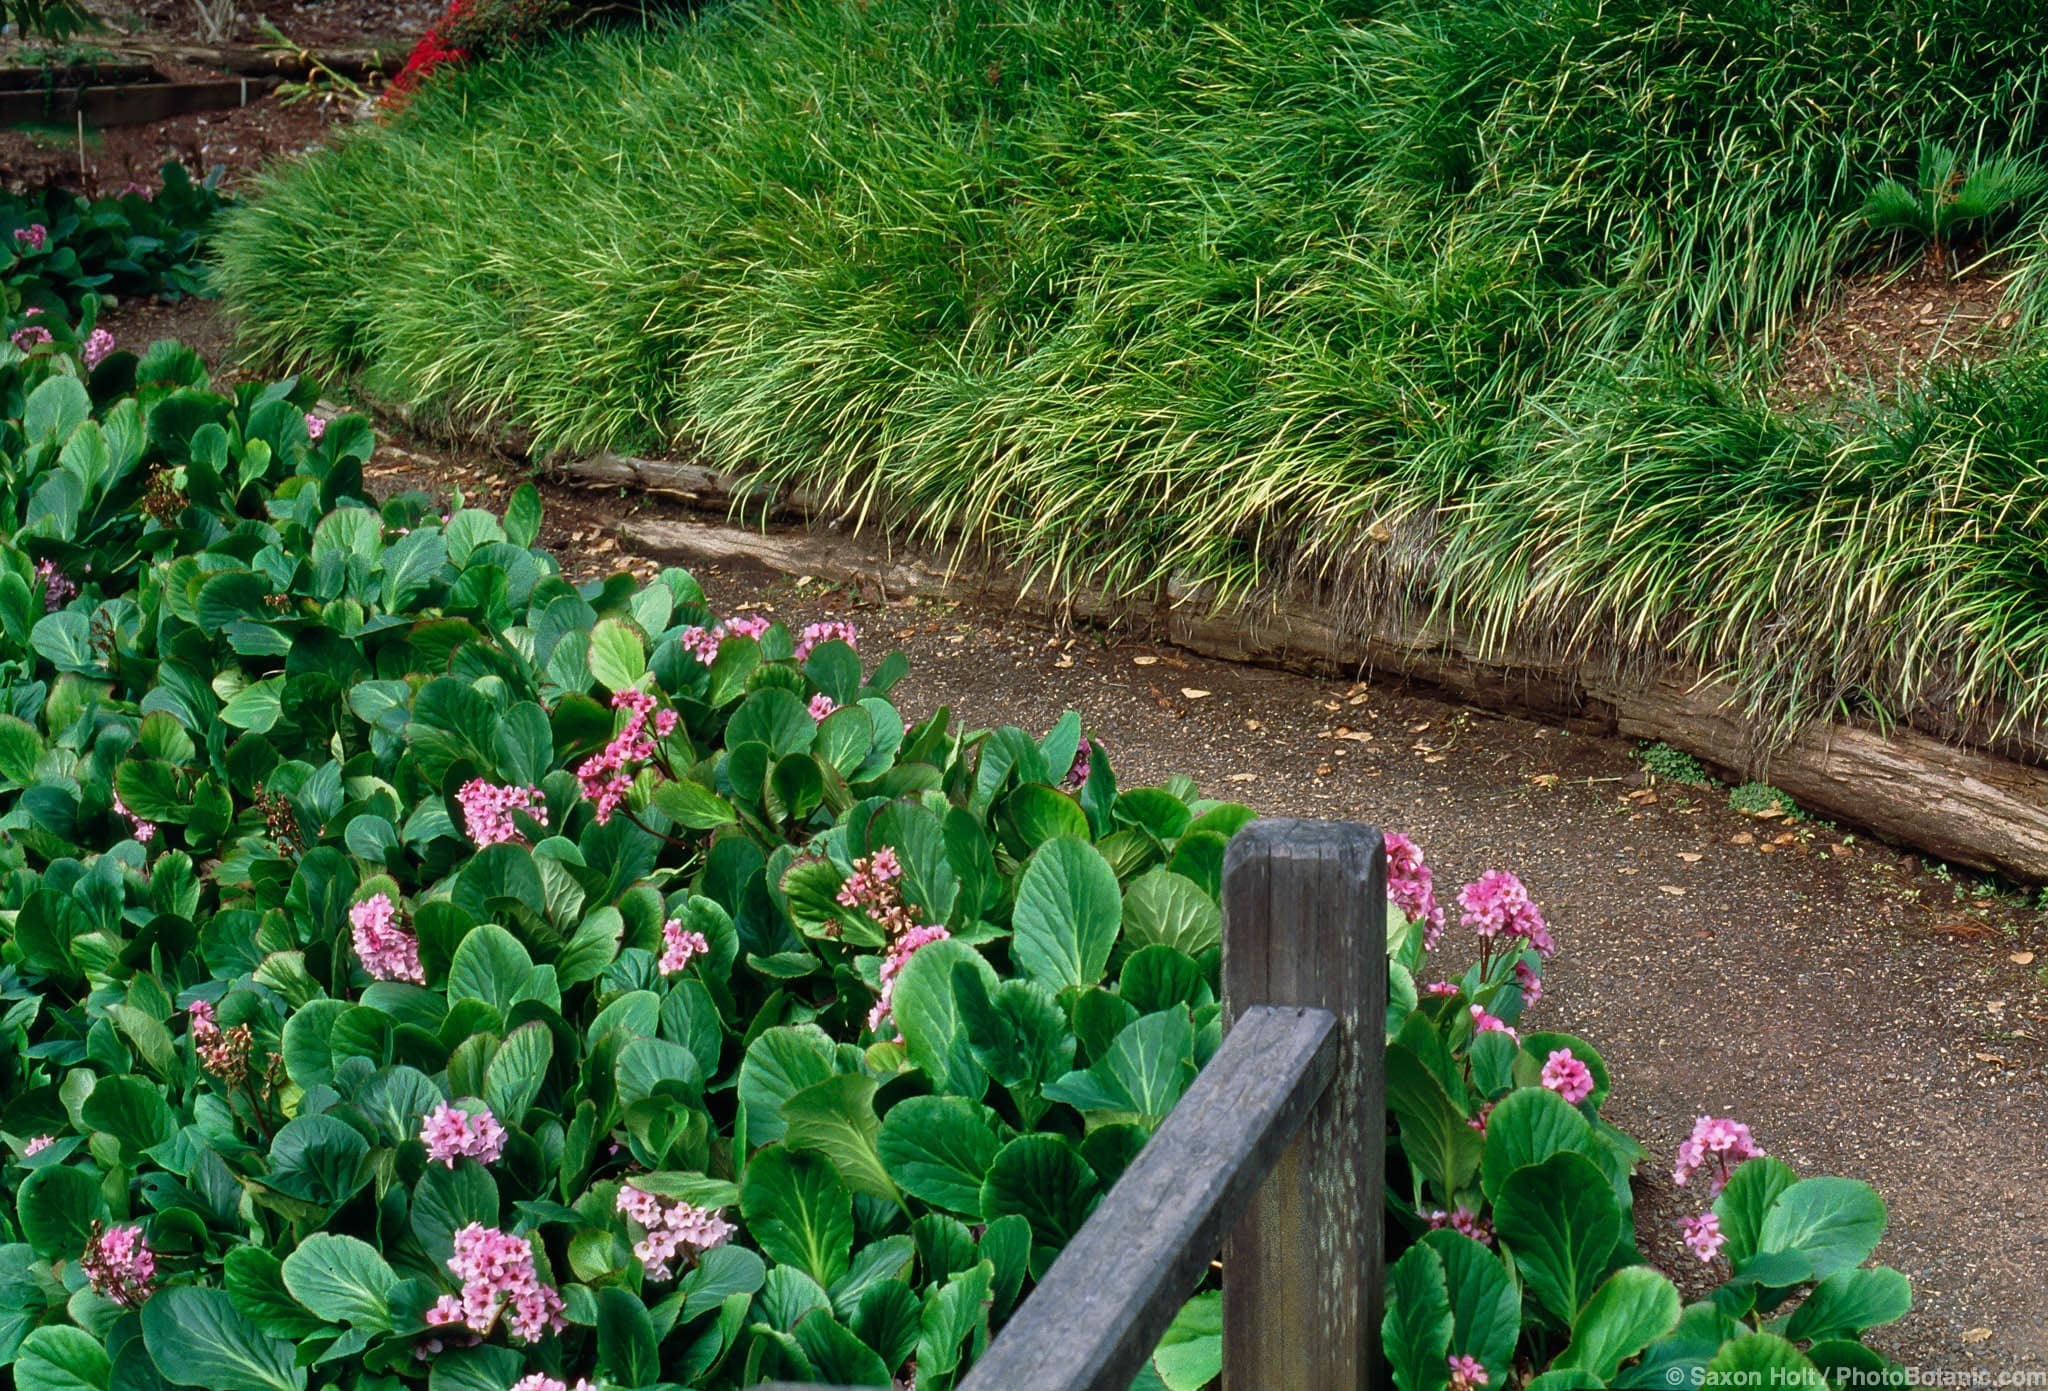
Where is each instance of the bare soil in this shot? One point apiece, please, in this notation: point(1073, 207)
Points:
point(1885, 330)
point(1866, 1013)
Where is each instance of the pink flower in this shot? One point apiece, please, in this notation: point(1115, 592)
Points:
point(1726, 1143)
point(222, 1052)
point(1484, 1023)
point(487, 810)
point(58, 590)
point(607, 777)
point(1467, 1374)
point(143, 191)
point(37, 1145)
point(750, 625)
point(1077, 771)
point(701, 643)
point(498, 1278)
point(98, 344)
point(1410, 888)
point(540, 1381)
point(1703, 1234)
point(29, 337)
point(822, 705)
point(1497, 905)
point(119, 1264)
point(1530, 984)
point(815, 633)
point(145, 831)
point(315, 427)
point(32, 236)
point(1440, 987)
point(450, 1134)
point(1564, 1074)
point(676, 1230)
point(1479, 1121)
point(899, 956)
point(387, 950)
point(680, 948)
point(1465, 1222)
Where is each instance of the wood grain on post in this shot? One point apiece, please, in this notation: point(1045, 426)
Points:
point(1305, 923)
point(1100, 1310)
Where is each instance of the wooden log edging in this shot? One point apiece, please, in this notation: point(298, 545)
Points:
point(1971, 806)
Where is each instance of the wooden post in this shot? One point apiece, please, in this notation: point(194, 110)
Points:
point(1305, 923)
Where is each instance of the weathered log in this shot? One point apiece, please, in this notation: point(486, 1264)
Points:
point(356, 62)
point(705, 488)
point(1972, 806)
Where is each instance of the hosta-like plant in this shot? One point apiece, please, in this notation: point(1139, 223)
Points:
point(1515, 1206)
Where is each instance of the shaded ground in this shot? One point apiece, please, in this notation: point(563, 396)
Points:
point(1892, 328)
point(1866, 1014)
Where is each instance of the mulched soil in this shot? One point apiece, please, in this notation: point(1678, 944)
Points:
point(1883, 330)
point(1866, 1013)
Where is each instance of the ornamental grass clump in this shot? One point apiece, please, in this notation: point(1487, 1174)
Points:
point(523, 989)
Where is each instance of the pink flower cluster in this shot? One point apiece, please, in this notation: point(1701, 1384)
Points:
point(498, 1277)
point(37, 1145)
point(119, 1264)
point(222, 1052)
point(1496, 905)
point(1717, 1142)
point(58, 590)
point(872, 888)
point(145, 831)
point(1529, 983)
point(1463, 1221)
point(32, 236)
point(315, 427)
point(1411, 888)
point(1484, 1023)
point(386, 949)
point(679, 947)
point(98, 344)
point(900, 952)
point(815, 633)
point(451, 1134)
point(1441, 987)
point(1564, 1074)
point(541, 1381)
point(1077, 771)
point(608, 776)
point(487, 810)
point(1704, 1235)
point(822, 705)
point(1467, 1373)
point(29, 337)
point(676, 1230)
point(702, 643)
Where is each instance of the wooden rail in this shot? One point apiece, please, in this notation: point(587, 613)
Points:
point(1276, 1152)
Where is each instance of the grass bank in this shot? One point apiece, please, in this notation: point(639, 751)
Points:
point(1461, 304)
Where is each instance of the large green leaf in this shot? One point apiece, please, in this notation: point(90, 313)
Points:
point(1161, 908)
point(1849, 1301)
point(939, 1149)
point(513, 1077)
point(798, 1211)
point(1435, 1134)
point(1415, 1334)
point(56, 1207)
point(1043, 1179)
point(1834, 1222)
point(1528, 1126)
point(1067, 914)
point(928, 1014)
point(1485, 1305)
point(628, 1352)
point(1146, 1068)
point(1632, 1306)
point(1755, 1185)
point(197, 1337)
point(1190, 1352)
point(59, 1358)
point(489, 965)
point(341, 1279)
point(617, 658)
point(779, 1064)
point(836, 1117)
point(1562, 1222)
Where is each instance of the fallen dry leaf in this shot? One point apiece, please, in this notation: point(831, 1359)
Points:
point(1988, 1057)
point(1742, 838)
point(1064, 662)
point(1323, 770)
point(1253, 724)
point(1144, 661)
point(1691, 857)
point(1671, 889)
point(1543, 779)
point(1192, 693)
point(2021, 958)
point(1976, 1335)
point(1243, 777)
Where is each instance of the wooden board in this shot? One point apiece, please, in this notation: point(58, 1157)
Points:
point(133, 104)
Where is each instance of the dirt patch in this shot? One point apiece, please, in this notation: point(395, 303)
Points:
point(1882, 330)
